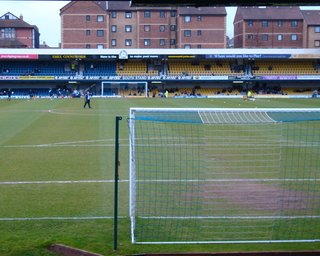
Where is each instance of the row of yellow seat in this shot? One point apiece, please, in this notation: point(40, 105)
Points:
point(260, 67)
point(284, 68)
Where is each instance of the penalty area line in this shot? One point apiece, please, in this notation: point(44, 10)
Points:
point(61, 218)
point(58, 182)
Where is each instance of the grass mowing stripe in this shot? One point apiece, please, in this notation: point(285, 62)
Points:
point(61, 218)
point(58, 182)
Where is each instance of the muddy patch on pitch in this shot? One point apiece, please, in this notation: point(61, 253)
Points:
point(254, 196)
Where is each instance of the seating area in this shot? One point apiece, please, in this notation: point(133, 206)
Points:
point(203, 68)
point(132, 68)
point(100, 69)
point(171, 67)
point(19, 68)
point(278, 67)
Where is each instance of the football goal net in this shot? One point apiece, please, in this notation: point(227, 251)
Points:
point(224, 175)
point(115, 88)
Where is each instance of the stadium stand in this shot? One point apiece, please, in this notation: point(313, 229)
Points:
point(280, 67)
point(19, 68)
point(183, 72)
point(203, 68)
point(100, 68)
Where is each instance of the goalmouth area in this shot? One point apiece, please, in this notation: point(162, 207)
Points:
point(224, 175)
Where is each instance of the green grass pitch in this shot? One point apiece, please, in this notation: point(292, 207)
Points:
point(54, 155)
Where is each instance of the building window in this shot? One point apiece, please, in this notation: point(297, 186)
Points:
point(173, 27)
point(294, 23)
point(147, 42)
point(173, 42)
point(113, 14)
point(199, 18)
point(187, 33)
point(128, 42)
point(88, 46)
point(113, 42)
point(147, 28)
point(264, 37)
point(265, 23)
point(162, 14)
point(199, 46)
point(162, 42)
point(250, 37)
point(147, 14)
point(128, 15)
point(279, 37)
point(279, 23)
point(8, 33)
point(316, 43)
point(173, 13)
point(199, 32)
point(100, 18)
point(100, 46)
point(128, 28)
point(100, 33)
point(88, 32)
point(162, 28)
point(294, 37)
point(87, 17)
point(250, 23)
point(317, 29)
point(114, 28)
point(187, 46)
point(187, 19)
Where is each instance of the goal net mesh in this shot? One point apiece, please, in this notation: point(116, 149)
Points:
point(224, 175)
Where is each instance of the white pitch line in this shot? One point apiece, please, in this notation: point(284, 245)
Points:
point(56, 146)
point(61, 218)
point(231, 217)
point(146, 181)
point(58, 182)
point(68, 144)
point(82, 113)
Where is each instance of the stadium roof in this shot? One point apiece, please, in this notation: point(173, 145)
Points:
point(308, 53)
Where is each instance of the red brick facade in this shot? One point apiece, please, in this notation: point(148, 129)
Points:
point(311, 28)
point(270, 27)
point(126, 27)
point(16, 33)
point(84, 25)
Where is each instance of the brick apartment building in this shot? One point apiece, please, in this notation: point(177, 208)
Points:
point(268, 27)
point(311, 28)
point(114, 24)
point(16, 33)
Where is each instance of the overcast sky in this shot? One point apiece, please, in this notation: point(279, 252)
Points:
point(45, 15)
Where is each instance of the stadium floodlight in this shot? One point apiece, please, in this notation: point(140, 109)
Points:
point(224, 175)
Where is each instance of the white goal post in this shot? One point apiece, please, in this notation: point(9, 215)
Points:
point(222, 175)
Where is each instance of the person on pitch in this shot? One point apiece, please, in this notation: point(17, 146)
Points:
point(87, 99)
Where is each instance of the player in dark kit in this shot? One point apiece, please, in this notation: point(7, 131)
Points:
point(87, 100)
